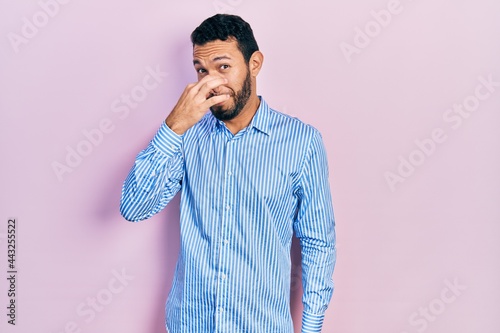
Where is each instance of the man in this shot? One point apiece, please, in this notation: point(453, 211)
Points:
point(249, 177)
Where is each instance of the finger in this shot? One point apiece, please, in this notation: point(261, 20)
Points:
point(196, 86)
point(208, 86)
point(215, 100)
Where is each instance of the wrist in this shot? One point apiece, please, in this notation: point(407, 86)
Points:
point(312, 323)
point(175, 127)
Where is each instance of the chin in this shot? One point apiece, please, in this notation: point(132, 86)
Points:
point(218, 111)
point(222, 107)
point(224, 113)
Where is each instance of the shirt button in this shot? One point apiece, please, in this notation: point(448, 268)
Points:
point(229, 173)
point(226, 241)
point(172, 147)
point(221, 309)
point(223, 276)
point(228, 207)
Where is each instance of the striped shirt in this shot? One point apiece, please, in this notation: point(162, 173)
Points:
point(242, 198)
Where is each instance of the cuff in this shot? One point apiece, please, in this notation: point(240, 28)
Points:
point(167, 140)
point(312, 323)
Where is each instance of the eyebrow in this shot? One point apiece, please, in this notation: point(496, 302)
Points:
point(197, 62)
point(221, 58)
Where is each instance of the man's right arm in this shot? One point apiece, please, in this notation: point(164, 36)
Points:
point(157, 173)
point(155, 177)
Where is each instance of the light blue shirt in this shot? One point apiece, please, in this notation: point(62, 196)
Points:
point(242, 198)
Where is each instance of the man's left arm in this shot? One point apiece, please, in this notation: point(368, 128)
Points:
point(315, 228)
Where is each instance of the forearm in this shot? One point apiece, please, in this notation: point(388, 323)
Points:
point(155, 177)
point(318, 262)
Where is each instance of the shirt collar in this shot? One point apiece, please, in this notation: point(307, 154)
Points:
point(260, 120)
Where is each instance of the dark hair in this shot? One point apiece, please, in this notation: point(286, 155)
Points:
point(224, 27)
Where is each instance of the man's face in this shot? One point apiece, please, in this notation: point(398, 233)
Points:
point(224, 59)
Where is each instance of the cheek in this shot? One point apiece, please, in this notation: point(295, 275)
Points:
point(235, 82)
point(236, 76)
point(200, 76)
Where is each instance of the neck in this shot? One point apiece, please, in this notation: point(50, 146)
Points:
point(243, 119)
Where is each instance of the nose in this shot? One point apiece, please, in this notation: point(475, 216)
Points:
point(218, 90)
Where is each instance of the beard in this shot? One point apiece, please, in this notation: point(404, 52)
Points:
point(240, 100)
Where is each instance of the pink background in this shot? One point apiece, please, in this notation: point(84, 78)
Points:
point(401, 245)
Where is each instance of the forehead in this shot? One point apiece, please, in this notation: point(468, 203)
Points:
point(216, 49)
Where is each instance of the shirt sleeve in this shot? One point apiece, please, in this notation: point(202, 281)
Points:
point(315, 228)
point(155, 177)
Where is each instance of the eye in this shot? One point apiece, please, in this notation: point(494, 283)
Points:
point(224, 67)
point(201, 71)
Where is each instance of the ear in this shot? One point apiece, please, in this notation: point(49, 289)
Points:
point(255, 63)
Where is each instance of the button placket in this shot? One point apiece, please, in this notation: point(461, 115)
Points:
point(224, 236)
